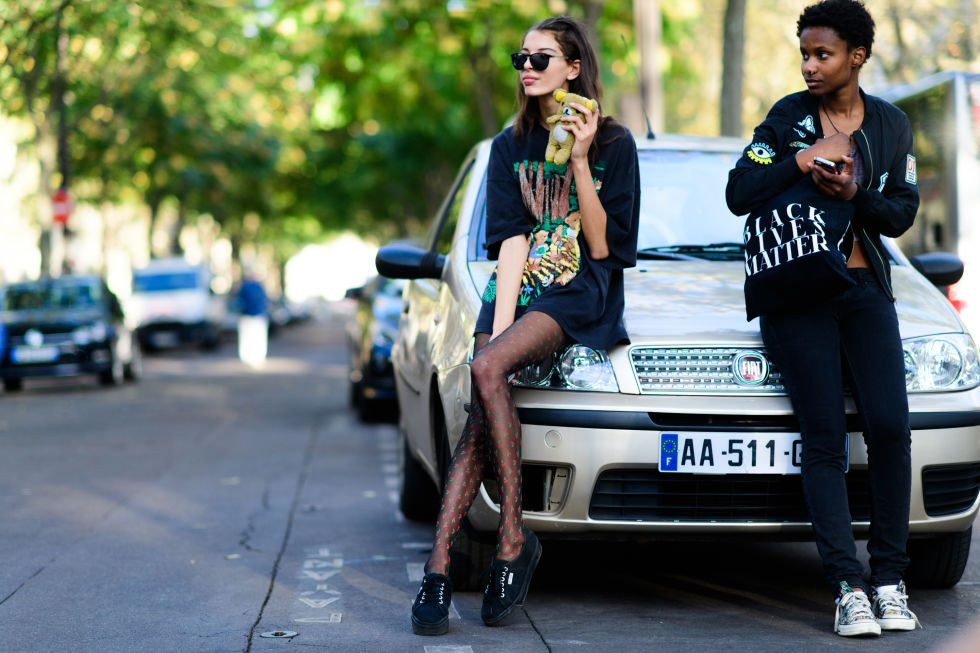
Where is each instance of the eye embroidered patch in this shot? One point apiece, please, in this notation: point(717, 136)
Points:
point(910, 173)
point(761, 153)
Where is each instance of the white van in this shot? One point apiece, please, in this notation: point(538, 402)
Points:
point(172, 303)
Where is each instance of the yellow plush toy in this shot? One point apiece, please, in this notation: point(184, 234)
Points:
point(560, 141)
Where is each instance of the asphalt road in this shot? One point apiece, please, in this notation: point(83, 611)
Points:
point(210, 507)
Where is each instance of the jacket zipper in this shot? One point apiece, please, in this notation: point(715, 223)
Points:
point(867, 239)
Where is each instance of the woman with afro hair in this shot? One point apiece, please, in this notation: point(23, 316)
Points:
point(854, 334)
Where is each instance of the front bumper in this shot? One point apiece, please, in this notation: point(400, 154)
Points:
point(580, 460)
point(71, 360)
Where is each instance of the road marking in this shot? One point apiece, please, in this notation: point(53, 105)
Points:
point(333, 618)
point(320, 564)
point(449, 649)
point(318, 603)
point(416, 571)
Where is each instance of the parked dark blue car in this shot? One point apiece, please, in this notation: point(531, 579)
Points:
point(64, 326)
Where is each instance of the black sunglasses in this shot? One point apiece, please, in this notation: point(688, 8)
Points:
point(539, 60)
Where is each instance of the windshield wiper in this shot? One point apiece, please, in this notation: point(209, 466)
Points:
point(701, 249)
point(715, 251)
point(663, 254)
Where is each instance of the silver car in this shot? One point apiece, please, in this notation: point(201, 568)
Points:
point(686, 431)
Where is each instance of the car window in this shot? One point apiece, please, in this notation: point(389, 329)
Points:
point(441, 236)
point(164, 281)
point(682, 201)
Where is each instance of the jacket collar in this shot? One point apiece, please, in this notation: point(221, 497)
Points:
point(812, 105)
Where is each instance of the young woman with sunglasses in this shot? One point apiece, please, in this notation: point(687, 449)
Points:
point(582, 219)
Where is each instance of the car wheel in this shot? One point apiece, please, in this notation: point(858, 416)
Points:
point(212, 338)
point(133, 370)
point(939, 561)
point(354, 397)
point(13, 385)
point(469, 559)
point(418, 497)
point(113, 375)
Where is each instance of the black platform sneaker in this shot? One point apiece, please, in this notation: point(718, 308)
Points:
point(430, 612)
point(509, 581)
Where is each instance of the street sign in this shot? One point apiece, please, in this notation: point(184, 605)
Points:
point(62, 206)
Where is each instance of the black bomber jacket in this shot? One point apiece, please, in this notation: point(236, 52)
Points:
point(886, 203)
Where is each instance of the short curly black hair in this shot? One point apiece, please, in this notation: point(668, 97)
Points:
point(849, 18)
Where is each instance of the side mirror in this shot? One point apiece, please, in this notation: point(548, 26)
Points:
point(402, 261)
point(940, 268)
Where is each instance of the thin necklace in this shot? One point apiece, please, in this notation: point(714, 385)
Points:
point(824, 107)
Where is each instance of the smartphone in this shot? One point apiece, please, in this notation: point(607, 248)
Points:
point(826, 164)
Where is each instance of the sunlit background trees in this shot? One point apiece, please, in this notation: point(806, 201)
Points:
point(235, 129)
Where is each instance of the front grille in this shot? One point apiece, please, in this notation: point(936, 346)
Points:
point(51, 336)
point(949, 490)
point(698, 370)
point(649, 495)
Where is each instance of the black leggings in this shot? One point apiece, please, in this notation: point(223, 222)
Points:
point(492, 435)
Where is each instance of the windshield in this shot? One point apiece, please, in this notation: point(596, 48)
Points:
point(683, 214)
point(163, 281)
point(682, 200)
point(51, 297)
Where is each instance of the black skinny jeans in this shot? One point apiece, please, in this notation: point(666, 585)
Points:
point(859, 327)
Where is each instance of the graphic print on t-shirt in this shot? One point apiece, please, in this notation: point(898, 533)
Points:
point(554, 257)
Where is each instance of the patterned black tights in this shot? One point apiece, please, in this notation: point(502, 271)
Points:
point(492, 434)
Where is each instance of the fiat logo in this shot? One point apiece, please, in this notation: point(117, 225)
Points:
point(33, 337)
point(750, 368)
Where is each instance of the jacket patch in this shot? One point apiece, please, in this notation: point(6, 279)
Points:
point(807, 124)
point(761, 153)
point(881, 186)
point(910, 174)
point(799, 145)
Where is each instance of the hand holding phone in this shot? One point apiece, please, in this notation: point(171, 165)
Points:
point(826, 164)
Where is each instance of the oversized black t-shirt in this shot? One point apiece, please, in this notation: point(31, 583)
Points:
point(527, 195)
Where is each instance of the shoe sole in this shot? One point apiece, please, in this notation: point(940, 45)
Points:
point(439, 628)
point(859, 630)
point(896, 624)
point(519, 603)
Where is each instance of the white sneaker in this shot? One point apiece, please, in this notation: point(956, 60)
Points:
point(891, 609)
point(854, 616)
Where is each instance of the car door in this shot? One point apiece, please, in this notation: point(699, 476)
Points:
point(412, 357)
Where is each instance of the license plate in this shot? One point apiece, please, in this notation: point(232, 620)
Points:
point(728, 453)
point(34, 354)
point(164, 339)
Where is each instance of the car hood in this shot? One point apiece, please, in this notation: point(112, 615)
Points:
point(703, 302)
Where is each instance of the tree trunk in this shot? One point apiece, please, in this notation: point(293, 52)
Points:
point(733, 68)
point(648, 24)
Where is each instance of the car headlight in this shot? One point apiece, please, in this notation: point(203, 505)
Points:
point(575, 368)
point(941, 363)
point(89, 333)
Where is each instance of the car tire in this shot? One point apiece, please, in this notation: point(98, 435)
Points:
point(114, 375)
point(354, 397)
point(133, 370)
point(418, 498)
point(212, 339)
point(939, 561)
point(13, 385)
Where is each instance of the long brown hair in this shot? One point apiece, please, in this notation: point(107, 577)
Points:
point(573, 38)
